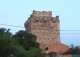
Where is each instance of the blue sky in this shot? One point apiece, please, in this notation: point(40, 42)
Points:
point(16, 12)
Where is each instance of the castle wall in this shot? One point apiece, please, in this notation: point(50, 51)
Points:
point(45, 27)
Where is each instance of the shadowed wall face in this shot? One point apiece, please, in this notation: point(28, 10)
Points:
point(44, 26)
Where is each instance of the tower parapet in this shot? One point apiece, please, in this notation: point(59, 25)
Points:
point(42, 13)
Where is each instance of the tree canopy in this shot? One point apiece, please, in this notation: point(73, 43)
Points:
point(21, 44)
point(73, 50)
point(27, 40)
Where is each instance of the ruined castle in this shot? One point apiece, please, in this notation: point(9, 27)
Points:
point(44, 26)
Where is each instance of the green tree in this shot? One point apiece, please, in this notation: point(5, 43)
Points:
point(51, 54)
point(4, 41)
point(8, 45)
point(27, 40)
point(72, 50)
point(71, 46)
point(35, 52)
point(21, 44)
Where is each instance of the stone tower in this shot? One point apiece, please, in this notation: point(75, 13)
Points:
point(44, 26)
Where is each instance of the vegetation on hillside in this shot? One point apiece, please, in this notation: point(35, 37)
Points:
point(72, 50)
point(21, 44)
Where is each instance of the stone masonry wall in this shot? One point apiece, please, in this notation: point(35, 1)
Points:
point(44, 26)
